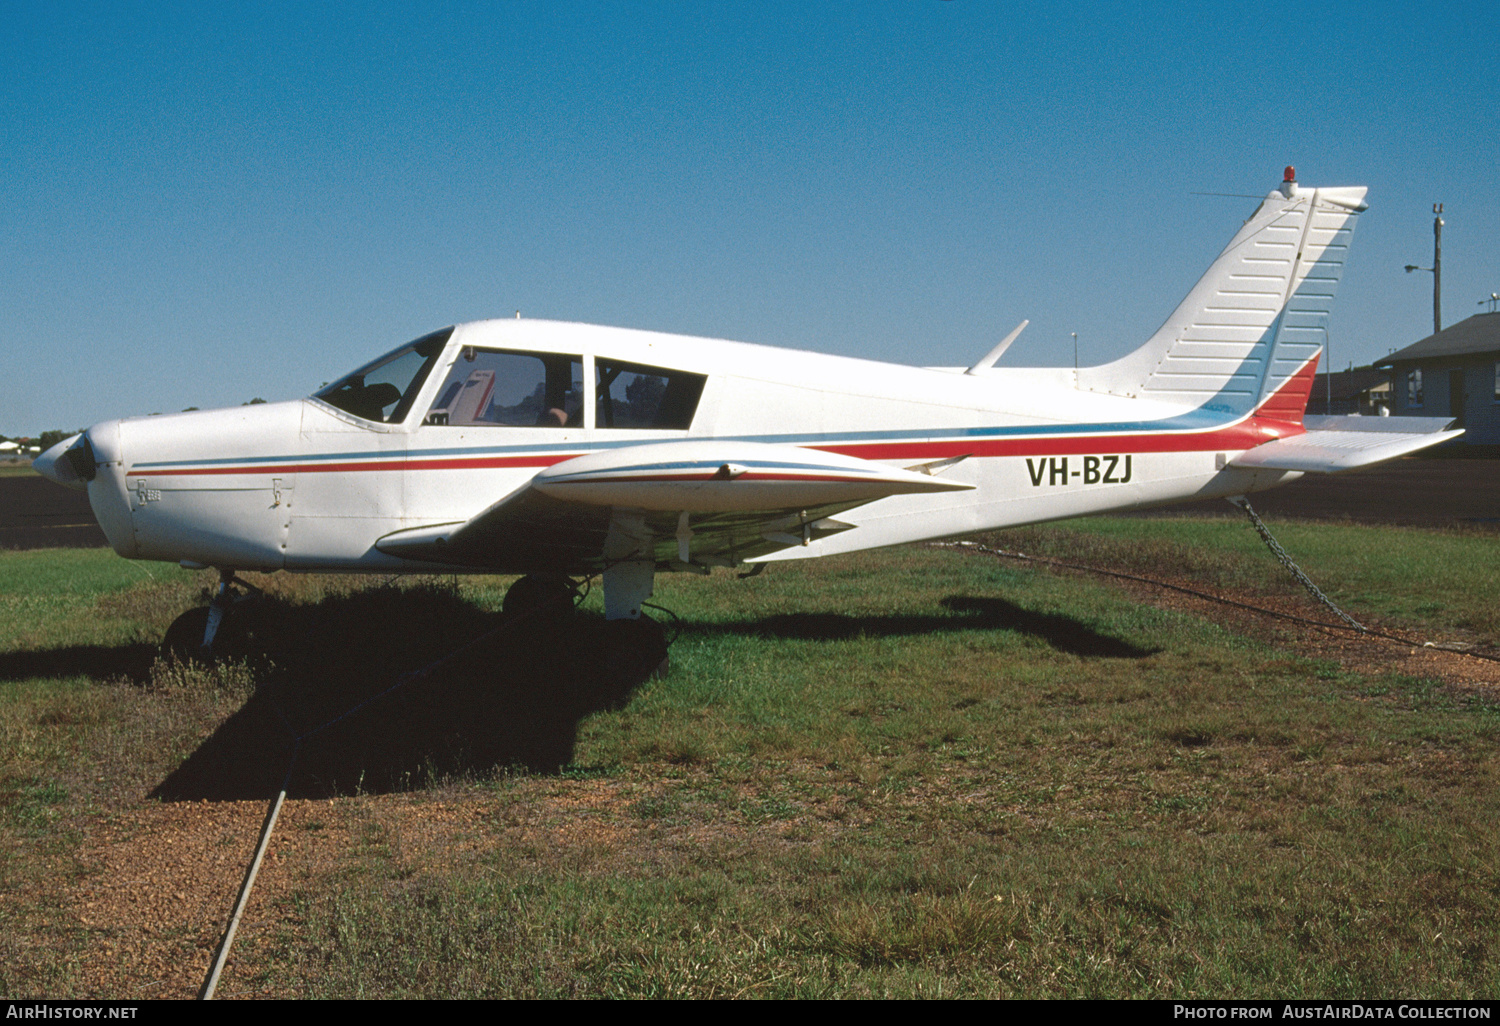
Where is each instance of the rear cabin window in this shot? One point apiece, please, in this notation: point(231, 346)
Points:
point(629, 395)
point(502, 388)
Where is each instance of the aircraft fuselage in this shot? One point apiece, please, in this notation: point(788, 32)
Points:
point(305, 485)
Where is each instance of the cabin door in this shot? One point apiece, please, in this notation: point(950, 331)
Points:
point(1456, 397)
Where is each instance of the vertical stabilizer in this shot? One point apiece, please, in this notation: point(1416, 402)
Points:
point(1257, 318)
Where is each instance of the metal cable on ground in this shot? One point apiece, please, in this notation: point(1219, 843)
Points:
point(1367, 632)
point(676, 621)
point(211, 982)
point(1243, 502)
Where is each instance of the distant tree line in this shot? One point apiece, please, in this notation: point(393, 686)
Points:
point(47, 439)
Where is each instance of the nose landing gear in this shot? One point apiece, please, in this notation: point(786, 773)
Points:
point(208, 632)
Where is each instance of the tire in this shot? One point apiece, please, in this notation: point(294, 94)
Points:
point(541, 595)
point(184, 639)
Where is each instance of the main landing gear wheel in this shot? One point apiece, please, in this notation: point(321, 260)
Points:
point(540, 595)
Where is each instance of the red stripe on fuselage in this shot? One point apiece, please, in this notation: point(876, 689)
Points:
point(1278, 416)
point(395, 463)
point(1289, 402)
point(1246, 435)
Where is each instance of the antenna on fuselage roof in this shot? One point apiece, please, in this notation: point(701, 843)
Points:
point(990, 357)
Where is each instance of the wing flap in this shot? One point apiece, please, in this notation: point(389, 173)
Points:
point(1335, 444)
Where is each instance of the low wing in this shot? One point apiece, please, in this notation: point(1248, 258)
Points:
point(701, 504)
point(1334, 444)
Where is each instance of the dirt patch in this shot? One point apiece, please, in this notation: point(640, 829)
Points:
point(161, 880)
point(157, 887)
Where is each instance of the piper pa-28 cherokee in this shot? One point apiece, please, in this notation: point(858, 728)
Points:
point(544, 448)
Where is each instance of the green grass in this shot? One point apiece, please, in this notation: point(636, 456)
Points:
point(908, 773)
point(1439, 579)
point(48, 596)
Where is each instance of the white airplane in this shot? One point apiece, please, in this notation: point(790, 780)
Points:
point(537, 447)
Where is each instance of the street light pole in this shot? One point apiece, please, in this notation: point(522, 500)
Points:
point(1436, 268)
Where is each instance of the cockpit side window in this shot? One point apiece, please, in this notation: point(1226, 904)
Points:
point(503, 388)
point(630, 395)
point(383, 391)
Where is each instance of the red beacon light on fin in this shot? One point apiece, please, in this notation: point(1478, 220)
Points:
point(1289, 175)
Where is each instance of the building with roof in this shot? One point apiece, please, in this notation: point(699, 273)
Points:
point(1362, 390)
point(1454, 373)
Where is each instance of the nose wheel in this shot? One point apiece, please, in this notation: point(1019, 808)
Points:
point(207, 632)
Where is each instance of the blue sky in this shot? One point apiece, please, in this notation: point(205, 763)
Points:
point(205, 203)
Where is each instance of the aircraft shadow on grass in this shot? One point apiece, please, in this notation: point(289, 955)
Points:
point(1062, 633)
point(513, 697)
point(101, 662)
point(507, 692)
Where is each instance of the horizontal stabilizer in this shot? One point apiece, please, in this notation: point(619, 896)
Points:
point(1334, 444)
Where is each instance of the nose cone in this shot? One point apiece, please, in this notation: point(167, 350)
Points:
point(70, 462)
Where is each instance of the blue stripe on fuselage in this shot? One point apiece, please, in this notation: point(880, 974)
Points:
point(1194, 421)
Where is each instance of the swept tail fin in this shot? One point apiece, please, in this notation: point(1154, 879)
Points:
point(1257, 319)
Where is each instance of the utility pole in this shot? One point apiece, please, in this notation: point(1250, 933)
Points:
point(1436, 268)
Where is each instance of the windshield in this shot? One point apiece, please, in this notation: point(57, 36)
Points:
point(384, 390)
